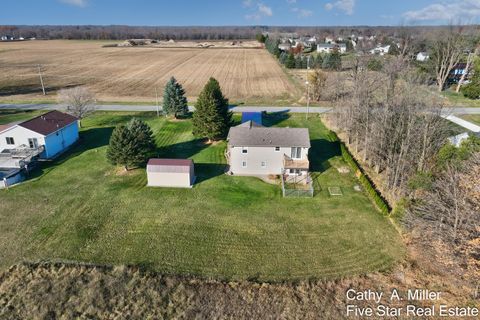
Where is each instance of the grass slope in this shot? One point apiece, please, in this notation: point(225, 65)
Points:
point(79, 208)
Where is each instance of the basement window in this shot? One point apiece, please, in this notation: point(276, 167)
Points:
point(277, 149)
point(264, 164)
point(244, 150)
point(10, 140)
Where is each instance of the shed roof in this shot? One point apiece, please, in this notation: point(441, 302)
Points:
point(258, 136)
point(49, 122)
point(169, 165)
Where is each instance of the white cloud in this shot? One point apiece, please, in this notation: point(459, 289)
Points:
point(291, 1)
point(302, 13)
point(261, 10)
point(78, 3)
point(446, 11)
point(346, 6)
point(265, 10)
point(247, 3)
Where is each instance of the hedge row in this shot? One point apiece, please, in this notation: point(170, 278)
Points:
point(364, 181)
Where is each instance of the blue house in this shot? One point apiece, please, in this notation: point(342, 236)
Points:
point(49, 135)
point(252, 116)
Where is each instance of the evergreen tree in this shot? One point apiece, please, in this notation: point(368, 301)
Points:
point(394, 50)
point(174, 100)
point(298, 62)
point(472, 89)
point(350, 47)
point(121, 148)
point(144, 142)
point(317, 63)
point(290, 63)
point(131, 145)
point(211, 118)
point(332, 61)
point(283, 58)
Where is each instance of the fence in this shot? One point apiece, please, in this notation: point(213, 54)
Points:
point(302, 187)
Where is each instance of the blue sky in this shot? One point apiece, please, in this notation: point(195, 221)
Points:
point(239, 12)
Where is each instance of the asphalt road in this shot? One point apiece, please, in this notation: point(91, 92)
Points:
point(118, 107)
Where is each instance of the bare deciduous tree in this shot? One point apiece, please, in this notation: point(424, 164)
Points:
point(79, 100)
point(317, 80)
point(447, 50)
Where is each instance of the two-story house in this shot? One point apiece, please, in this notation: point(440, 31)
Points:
point(255, 150)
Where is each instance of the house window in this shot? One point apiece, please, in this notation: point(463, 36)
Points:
point(277, 149)
point(244, 150)
point(10, 140)
point(33, 143)
point(244, 164)
point(296, 153)
point(264, 164)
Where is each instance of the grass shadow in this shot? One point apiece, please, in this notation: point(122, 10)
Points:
point(89, 139)
point(207, 171)
point(182, 150)
point(321, 152)
point(273, 118)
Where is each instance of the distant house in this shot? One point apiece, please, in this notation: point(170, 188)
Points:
point(52, 132)
point(422, 56)
point(173, 173)
point(329, 40)
point(285, 46)
point(380, 50)
point(457, 72)
point(252, 116)
point(328, 47)
point(458, 139)
point(254, 150)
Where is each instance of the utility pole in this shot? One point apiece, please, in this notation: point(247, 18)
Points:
point(308, 88)
point(41, 79)
point(156, 99)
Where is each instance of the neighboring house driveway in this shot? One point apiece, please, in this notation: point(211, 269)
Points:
point(463, 123)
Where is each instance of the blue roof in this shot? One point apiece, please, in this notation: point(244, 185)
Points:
point(252, 116)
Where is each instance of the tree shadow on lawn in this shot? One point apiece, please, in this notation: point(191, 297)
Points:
point(273, 118)
point(207, 171)
point(321, 152)
point(89, 139)
point(116, 119)
point(182, 150)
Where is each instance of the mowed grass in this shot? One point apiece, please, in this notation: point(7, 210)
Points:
point(475, 118)
point(81, 208)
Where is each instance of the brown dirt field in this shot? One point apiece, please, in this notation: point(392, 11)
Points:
point(132, 74)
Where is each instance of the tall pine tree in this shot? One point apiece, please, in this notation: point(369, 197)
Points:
point(174, 100)
point(211, 118)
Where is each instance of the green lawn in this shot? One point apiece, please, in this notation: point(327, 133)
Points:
point(79, 208)
point(475, 118)
point(459, 100)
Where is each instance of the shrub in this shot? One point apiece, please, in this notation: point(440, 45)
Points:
point(365, 181)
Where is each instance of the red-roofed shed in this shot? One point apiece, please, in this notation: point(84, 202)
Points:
point(175, 173)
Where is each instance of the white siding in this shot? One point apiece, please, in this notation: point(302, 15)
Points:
point(21, 136)
point(171, 179)
point(257, 155)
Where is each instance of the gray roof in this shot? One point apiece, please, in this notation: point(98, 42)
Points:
point(254, 135)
